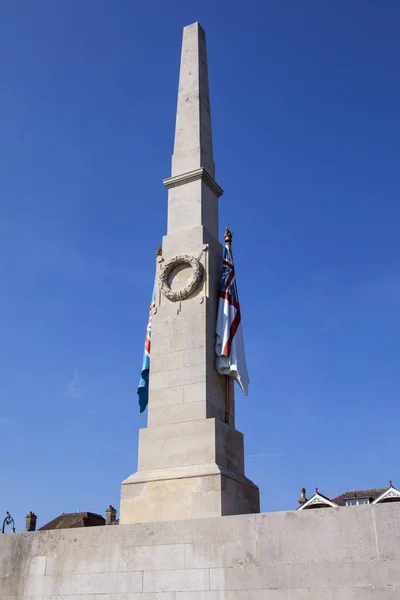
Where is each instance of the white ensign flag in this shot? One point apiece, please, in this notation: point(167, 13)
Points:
point(229, 347)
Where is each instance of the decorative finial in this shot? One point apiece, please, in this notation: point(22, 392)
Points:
point(316, 490)
point(159, 251)
point(390, 483)
point(228, 236)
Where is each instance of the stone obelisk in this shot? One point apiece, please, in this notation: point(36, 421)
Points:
point(190, 461)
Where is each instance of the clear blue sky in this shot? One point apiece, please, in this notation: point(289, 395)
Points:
point(305, 103)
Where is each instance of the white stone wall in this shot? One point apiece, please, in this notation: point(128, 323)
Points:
point(324, 554)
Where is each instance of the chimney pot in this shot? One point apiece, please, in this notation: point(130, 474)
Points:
point(30, 521)
point(111, 515)
point(302, 499)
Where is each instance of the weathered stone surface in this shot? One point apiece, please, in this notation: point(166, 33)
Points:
point(178, 413)
point(229, 554)
point(167, 397)
point(209, 559)
point(154, 558)
point(194, 392)
point(218, 531)
point(37, 566)
point(342, 593)
point(160, 381)
point(163, 533)
point(387, 530)
point(291, 576)
point(192, 442)
point(168, 361)
point(339, 538)
point(185, 580)
point(171, 498)
point(140, 596)
point(193, 140)
point(83, 583)
point(187, 492)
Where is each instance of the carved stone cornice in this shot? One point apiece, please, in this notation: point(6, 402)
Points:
point(201, 173)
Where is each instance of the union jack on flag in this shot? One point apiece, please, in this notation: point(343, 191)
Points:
point(143, 388)
point(229, 346)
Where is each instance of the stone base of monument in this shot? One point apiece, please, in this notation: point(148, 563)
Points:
point(186, 493)
point(187, 471)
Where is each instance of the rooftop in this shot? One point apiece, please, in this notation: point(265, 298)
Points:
point(358, 494)
point(78, 519)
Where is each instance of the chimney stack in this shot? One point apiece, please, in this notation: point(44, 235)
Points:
point(111, 515)
point(30, 522)
point(302, 499)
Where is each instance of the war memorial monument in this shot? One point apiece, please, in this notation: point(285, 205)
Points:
point(190, 527)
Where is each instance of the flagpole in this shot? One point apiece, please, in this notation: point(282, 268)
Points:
point(227, 400)
point(228, 242)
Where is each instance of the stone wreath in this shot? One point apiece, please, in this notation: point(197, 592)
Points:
point(177, 261)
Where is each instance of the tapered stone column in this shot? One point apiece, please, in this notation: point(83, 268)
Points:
point(190, 462)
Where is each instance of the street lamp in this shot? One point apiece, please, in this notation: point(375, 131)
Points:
point(8, 521)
